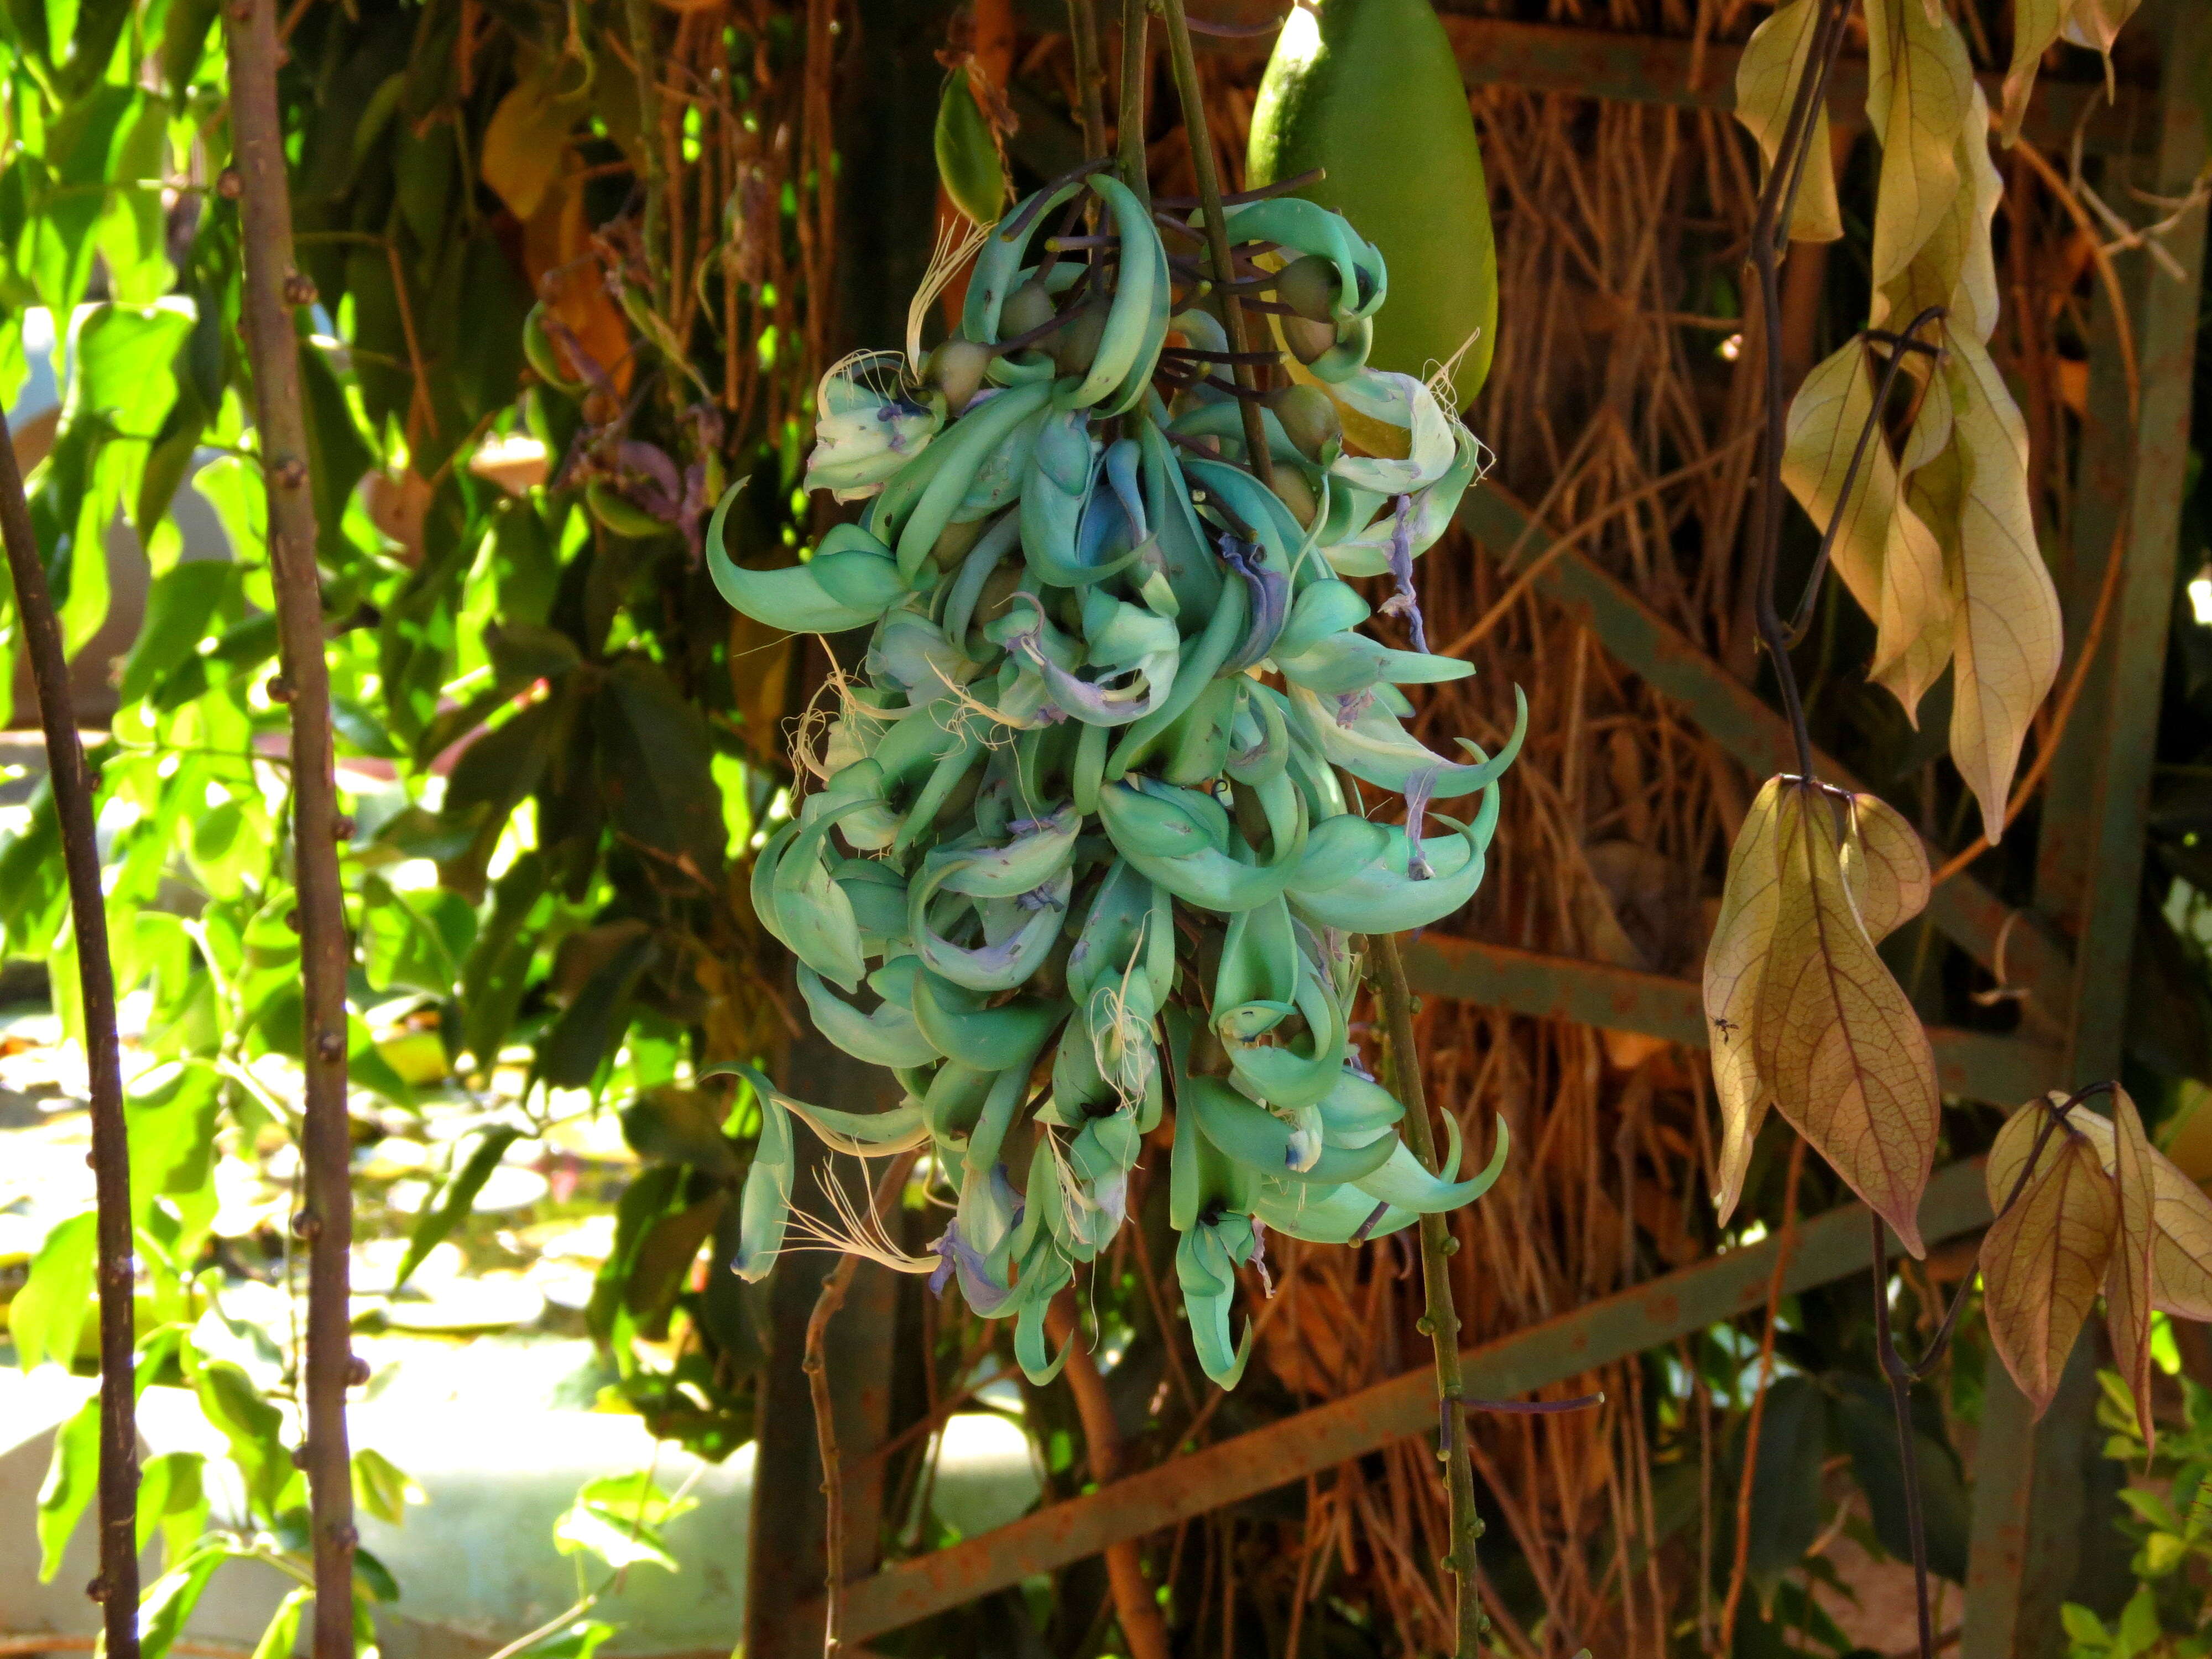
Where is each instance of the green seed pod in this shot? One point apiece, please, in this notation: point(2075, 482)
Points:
point(967, 155)
point(1029, 306)
point(1368, 90)
point(1309, 421)
point(618, 513)
point(957, 368)
point(1309, 285)
point(545, 361)
point(1076, 345)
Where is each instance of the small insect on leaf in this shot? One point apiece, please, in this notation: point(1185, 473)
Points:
point(2043, 1260)
point(2127, 1280)
point(1734, 961)
point(1835, 1039)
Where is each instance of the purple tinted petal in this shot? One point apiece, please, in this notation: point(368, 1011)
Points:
point(1270, 592)
point(1404, 603)
point(1351, 705)
point(1419, 789)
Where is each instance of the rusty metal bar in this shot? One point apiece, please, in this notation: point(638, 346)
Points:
point(1972, 1065)
point(1740, 720)
point(1828, 1247)
point(2034, 1524)
point(1650, 69)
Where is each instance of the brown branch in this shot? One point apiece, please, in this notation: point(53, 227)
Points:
point(816, 1364)
point(326, 1217)
point(1134, 1605)
point(1192, 98)
point(117, 1588)
point(1441, 1320)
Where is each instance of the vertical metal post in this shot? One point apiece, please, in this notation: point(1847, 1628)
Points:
point(2034, 1526)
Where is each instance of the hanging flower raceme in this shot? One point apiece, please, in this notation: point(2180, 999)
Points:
point(1083, 848)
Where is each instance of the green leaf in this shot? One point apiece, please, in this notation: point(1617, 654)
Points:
point(1786, 1490)
point(675, 1125)
point(656, 766)
point(618, 1518)
point(183, 41)
point(167, 1606)
point(170, 1114)
point(1869, 1425)
point(337, 454)
point(172, 1498)
point(382, 1488)
point(281, 1636)
point(253, 1429)
point(452, 1208)
point(72, 1481)
point(48, 1315)
point(570, 1052)
point(497, 972)
point(180, 604)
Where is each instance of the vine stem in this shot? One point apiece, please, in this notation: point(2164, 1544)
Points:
point(1129, 109)
point(1188, 91)
point(816, 1366)
point(1442, 1317)
point(326, 1216)
point(116, 1589)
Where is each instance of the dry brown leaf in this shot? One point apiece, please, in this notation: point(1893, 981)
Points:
point(1837, 1045)
point(1826, 418)
point(2127, 1280)
point(1734, 960)
point(525, 143)
point(2008, 631)
point(1885, 866)
point(1766, 86)
point(1919, 82)
point(2042, 1260)
point(2181, 1249)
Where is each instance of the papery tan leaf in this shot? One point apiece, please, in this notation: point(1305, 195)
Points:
point(2096, 24)
point(2035, 25)
point(1734, 961)
point(2008, 629)
point(2127, 1279)
point(2181, 1249)
point(1838, 1046)
point(1885, 866)
point(1766, 86)
point(1956, 266)
point(1916, 618)
point(1919, 80)
point(1826, 418)
point(2042, 1260)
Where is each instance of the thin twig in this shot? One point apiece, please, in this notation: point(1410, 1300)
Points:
point(117, 1588)
point(326, 1220)
point(1442, 1317)
point(1192, 96)
point(816, 1364)
point(1129, 112)
point(1135, 1607)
